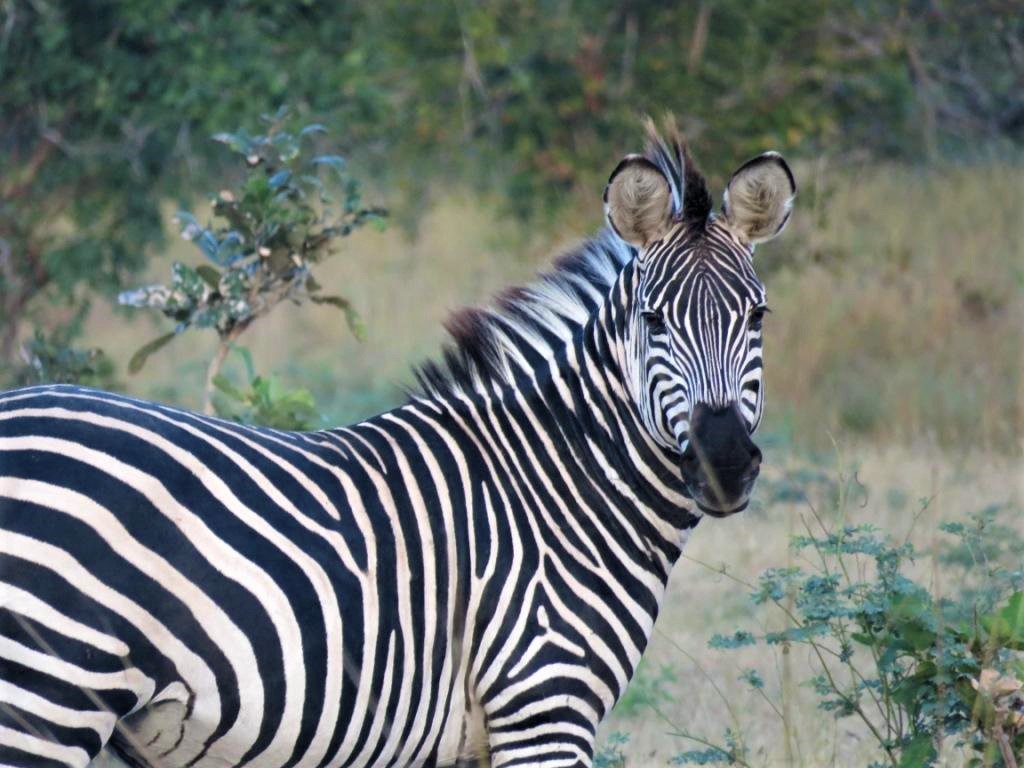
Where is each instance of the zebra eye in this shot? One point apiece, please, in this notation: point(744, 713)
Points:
point(757, 317)
point(655, 320)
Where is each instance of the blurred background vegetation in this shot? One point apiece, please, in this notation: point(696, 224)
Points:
point(487, 130)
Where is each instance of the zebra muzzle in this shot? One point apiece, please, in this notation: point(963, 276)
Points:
point(721, 463)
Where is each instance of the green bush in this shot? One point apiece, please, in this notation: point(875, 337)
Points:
point(263, 401)
point(54, 359)
point(288, 214)
point(915, 668)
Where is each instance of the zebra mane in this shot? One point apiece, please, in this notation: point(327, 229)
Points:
point(491, 346)
point(669, 151)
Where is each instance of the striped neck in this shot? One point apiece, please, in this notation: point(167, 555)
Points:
point(597, 425)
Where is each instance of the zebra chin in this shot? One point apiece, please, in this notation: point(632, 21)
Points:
point(719, 499)
point(720, 513)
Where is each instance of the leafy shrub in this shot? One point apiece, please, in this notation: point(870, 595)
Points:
point(611, 754)
point(52, 358)
point(731, 754)
point(915, 668)
point(264, 402)
point(283, 219)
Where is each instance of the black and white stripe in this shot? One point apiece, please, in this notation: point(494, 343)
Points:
point(475, 573)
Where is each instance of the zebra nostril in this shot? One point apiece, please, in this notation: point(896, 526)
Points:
point(755, 457)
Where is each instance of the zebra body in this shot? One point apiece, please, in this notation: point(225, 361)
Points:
point(475, 573)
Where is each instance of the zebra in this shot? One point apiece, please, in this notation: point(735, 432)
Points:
point(470, 577)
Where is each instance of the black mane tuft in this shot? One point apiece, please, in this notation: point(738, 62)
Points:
point(667, 149)
point(491, 346)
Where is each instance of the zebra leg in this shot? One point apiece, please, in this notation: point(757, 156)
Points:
point(524, 750)
point(545, 733)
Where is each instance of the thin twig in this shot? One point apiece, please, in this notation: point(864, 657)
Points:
point(213, 370)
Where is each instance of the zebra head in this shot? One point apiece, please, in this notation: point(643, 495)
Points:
point(693, 305)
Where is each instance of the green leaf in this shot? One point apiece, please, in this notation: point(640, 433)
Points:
point(279, 179)
point(356, 325)
point(1013, 613)
point(909, 691)
point(142, 354)
point(239, 142)
point(918, 753)
point(337, 162)
point(752, 678)
point(210, 275)
point(917, 635)
point(965, 691)
point(223, 385)
point(335, 301)
point(355, 322)
point(1006, 627)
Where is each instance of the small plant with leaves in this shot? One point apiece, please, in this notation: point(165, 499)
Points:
point(732, 752)
point(264, 401)
point(53, 357)
point(611, 755)
point(916, 668)
point(287, 215)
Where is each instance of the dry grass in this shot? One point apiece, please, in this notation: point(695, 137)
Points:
point(900, 310)
point(898, 301)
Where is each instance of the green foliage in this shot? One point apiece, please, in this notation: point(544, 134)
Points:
point(738, 639)
point(752, 678)
point(100, 108)
point(53, 359)
point(731, 753)
point(648, 688)
point(263, 402)
point(611, 754)
point(102, 103)
point(283, 219)
point(913, 667)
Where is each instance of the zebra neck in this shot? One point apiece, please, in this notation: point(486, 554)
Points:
point(594, 424)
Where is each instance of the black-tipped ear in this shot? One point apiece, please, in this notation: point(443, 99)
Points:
point(759, 198)
point(638, 201)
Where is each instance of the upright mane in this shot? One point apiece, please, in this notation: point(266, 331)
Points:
point(668, 150)
point(493, 345)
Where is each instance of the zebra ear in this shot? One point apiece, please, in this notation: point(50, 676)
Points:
point(759, 198)
point(638, 201)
